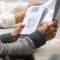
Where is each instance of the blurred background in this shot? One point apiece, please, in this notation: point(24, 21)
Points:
point(44, 1)
point(47, 50)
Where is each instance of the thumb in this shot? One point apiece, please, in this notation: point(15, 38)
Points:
point(43, 28)
point(53, 23)
point(21, 26)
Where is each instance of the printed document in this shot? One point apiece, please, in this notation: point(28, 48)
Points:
point(33, 18)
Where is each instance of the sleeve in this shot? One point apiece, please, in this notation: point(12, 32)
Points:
point(38, 39)
point(6, 20)
point(23, 46)
point(20, 6)
point(13, 7)
point(6, 38)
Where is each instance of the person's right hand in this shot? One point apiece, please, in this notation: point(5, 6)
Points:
point(49, 30)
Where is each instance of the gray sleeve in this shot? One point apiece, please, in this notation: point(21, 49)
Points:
point(22, 46)
point(6, 38)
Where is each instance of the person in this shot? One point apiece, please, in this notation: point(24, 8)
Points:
point(12, 44)
point(13, 12)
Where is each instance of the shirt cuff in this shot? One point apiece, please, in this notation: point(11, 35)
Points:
point(7, 20)
point(6, 38)
point(37, 38)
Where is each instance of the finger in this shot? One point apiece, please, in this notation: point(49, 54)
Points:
point(53, 29)
point(21, 26)
point(44, 28)
point(53, 23)
point(51, 36)
point(38, 3)
point(55, 26)
point(34, 3)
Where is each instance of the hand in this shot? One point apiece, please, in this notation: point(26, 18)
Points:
point(49, 30)
point(15, 33)
point(34, 4)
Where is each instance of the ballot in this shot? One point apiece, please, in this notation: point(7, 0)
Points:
point(33, 18)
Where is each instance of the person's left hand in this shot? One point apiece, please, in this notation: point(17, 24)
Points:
point(16, 32)
point(34, 4)
point(49, 30)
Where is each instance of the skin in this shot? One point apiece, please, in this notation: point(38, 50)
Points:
point(20, 16)
point(15, 34)
point(48, 30)
point(34, 3)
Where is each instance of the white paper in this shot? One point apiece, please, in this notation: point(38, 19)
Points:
point(32, 19)
point(48, 17)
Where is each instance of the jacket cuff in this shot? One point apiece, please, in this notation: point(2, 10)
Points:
point(6, 38)
point(37, 38)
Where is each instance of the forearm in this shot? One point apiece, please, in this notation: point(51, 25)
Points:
point(11, 19)
point(37, 38)
point(20, 16)
point(6, 20)
point(23, 46)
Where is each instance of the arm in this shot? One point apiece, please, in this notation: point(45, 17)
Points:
point(12, 7)
point(13, 36)
point(6, 20)
point(26, 45)
point(20, 16)
point(18, 6)
point(34, 40)
point(6, 38)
